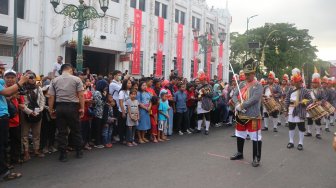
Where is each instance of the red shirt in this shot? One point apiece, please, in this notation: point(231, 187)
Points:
point(15, 121)
point(154, 112)
point(87, 95)
point(151, 91)
point(191, 102)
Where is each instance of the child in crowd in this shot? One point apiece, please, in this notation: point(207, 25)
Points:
point(109, 120)
point(163, 115)
point(144, 103)
point(154, 119)
point(182, 120)
point(132, 118)
point(191, 104)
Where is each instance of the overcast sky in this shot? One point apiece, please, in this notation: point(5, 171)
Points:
point(319, 16)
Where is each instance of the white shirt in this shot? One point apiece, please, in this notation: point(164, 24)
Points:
point(57, 68)
point(114, 89)
point(123, 96)
point(291, 118)
point(268, 92)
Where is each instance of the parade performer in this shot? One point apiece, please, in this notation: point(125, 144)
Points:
point(329, 98)
point(318, 97)
point(271, 90)
point(296, 103)
point(284, 90)
point(247, 101)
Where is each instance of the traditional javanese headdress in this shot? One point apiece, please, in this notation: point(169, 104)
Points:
point(296, 75)
point(316, 78)
point(285, 77)
point(263, 82)
point(325, 79)
point(271, 75)
point(250, 66)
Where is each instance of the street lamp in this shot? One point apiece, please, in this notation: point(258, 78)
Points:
point(205, 43)
point(82, 13)
point(262, 59)
point(247, 28)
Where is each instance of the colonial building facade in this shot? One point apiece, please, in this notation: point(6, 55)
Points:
point(143, 36)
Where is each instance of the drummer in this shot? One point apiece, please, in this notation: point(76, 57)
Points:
point(332, 98)
point(296, 103)
point(271, 90)
point(328, 94)
point(318, 97)
point(284, 90)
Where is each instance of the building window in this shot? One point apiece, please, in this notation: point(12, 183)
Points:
point(157, 8)
point(175, 65)
point(6, 50)
point(164, 11)
point(134, 3)
point(163, 64)
point(21, 8)
point(210, 28)
point(196, 23)
point(140, 6)
point(4, 7)
point(117, 1)
point(179, 16)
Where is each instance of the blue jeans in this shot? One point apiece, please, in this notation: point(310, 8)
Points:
point(107, 133)
point(130, 133)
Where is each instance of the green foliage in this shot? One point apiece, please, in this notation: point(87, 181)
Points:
point(293, 46)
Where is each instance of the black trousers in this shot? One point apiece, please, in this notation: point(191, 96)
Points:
point(15, 143)
point(68, 118)
point(85, 127)
point(48, 131)
point(121, 127)
point(182, 121)
point(97, 130)
point(3, 144)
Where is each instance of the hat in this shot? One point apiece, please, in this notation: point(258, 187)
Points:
point(163, 91)
point(316, 78)
point(285, 77)
point(165, 83)
point(10, 71)
point(242, 76)
point(249, 66)
point(38, 78)
point(296, 75)
point(324, 79)
point(271, 75)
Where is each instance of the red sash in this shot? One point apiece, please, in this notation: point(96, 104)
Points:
point(244, 90)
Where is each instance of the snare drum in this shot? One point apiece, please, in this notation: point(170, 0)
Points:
point(272, 105)
point(316, 111)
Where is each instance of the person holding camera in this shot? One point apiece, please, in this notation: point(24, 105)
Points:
point(66, 102)
point(32, 116)
point(5, 173)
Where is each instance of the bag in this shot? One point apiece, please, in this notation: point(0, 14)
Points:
point(207, 104)
point(32, 105)
point(12, 111)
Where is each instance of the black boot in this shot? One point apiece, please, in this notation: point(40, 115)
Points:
point(240, 148)
point(79, 154)
point(63, 156)
point(256, 153)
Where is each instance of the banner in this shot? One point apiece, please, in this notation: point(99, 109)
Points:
point(137, 41)
point(179, 49)
point(208, 63)
point(160, 40)
point(220, 63)
point(195, 58)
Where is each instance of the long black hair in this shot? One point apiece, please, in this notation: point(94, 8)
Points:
point(124, 85)
point(141, 83)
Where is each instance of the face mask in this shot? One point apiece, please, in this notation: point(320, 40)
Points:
point(119, 77)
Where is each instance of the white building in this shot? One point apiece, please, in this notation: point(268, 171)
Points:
point(43, 34)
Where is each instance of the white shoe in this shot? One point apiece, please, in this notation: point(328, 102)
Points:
point(189, 132)
point(180, 133)
point(116, 138)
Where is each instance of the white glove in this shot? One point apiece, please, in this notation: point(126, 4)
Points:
point(238, 108)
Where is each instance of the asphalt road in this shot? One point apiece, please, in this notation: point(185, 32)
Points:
point(190, 161)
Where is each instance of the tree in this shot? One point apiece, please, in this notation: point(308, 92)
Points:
point(286, 48)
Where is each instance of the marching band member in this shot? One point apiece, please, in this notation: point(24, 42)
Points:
point(329, 98)
point(233, 88)
point(271, 90)
point(284, 90)
point(317, 95)
point(247, 103)
point(296, 103)
point(332, 92)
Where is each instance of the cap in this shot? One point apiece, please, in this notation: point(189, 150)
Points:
point(10, 71)
point(249, 66)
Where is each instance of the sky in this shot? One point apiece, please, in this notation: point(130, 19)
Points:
point(318, 16)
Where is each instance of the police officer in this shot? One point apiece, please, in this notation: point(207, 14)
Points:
point(66, 104)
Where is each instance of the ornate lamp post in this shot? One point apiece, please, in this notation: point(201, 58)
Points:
point(206, 43)
point(82, 13)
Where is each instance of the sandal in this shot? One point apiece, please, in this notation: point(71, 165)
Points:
point(129, 144)
point(11, 176)
point(141, 141)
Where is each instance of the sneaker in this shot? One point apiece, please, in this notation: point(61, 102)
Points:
point(290, 145)
point(116, 138)
point(52, 149)
point(180, 133)
point(191, 130)
point(99, 146)
point(327, 129)
point(275, 130)
point(318, 136)
point(300, 147)
point(188, 132)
